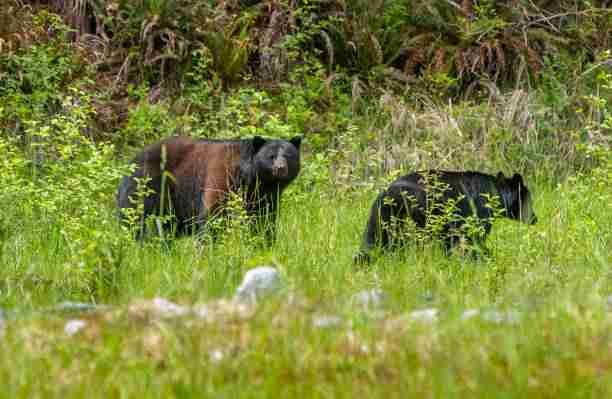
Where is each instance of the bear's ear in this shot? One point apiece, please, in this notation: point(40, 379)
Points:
point(501, 177)
point(258, 142)
point(517, 178)
point(296, 141)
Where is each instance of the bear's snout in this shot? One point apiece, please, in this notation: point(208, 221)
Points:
point(279, 167)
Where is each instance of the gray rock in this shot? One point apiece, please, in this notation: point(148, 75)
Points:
point(74, 326)
point(326, 321)
point(258, 283)
point(609, 303)
point(165, 308)
point(156, 308)
point(374, 298)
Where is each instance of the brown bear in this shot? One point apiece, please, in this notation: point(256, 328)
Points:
point(200, 173)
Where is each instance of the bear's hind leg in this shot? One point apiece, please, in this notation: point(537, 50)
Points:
point(377, 232)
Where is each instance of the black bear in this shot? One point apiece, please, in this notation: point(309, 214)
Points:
point(199, 174)
point(451, 197)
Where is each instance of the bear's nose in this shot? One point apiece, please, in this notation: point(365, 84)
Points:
point(279, 167)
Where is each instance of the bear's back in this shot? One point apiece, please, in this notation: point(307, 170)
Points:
point(215, 163)
point(181, 156)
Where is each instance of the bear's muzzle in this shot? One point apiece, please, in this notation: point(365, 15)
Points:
point(279, 167)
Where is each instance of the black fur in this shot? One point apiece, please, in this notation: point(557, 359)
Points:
point(261, 169)
point(412, 196)
point(261, 187)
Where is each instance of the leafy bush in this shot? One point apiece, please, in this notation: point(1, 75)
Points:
point(61, 183)
point(147, 122)
point(450, 46)
point(34, 77)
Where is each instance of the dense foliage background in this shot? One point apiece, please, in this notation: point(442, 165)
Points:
point(147, 68)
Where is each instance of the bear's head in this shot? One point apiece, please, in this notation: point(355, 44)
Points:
point(516, 198)
point(276, 161)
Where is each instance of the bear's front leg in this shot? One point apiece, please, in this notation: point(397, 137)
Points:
point(207, 208)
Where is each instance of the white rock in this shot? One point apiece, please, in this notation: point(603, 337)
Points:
point(326, 321)
point(373, 298)
point(74, 326)
point(258, 283)
point(469, 313)
point(165, 308)
point(156, 308)
point(429, 315)
point(216, 355)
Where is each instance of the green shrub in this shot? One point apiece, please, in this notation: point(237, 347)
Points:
point(34, 78)
point(60, 186)
point(147, 123)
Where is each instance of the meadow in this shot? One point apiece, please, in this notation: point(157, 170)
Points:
point(541, 327)
point(87, 311)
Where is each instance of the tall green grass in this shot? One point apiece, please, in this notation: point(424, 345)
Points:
point(554, 274)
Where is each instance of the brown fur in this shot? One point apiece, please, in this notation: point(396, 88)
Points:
point(214, 165)
point(200, 175)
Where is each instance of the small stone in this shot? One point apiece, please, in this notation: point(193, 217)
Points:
point(74, 326)
point(216, 355)
point(155, 308)
point(258, 283)
point(609, 303)
point(374, 298)
point(222, 311)
point(469, 313)
point(429, 315)
point(326, 321)
point(495, 316)
point(166, 308)
point(401, 323)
